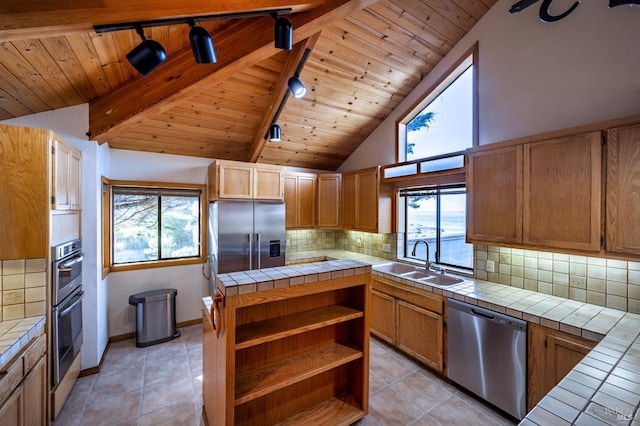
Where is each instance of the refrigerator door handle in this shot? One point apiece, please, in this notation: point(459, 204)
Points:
point(258, 249)
point(250, 251)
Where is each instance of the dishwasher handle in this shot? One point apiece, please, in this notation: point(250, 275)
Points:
point(482, 314)
point(487, 314)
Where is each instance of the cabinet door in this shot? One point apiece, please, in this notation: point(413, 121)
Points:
point(24, 193)
point(268, 184)
point(291, 200)
point(383, 314)
point(494, 196)
point(367, 200)
point(421, 333)
point(562, 190)
point(75, 179)
point(35, 392)
point(306, 201)
point(349, 201)
point(552, 354)
point(61, 162)
point(11, 411)
point(329, 200)
point(235, 181)
point(623, 190)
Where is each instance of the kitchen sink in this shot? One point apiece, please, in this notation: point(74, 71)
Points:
point(394, 268)
point(441, 280)
point(416, 275)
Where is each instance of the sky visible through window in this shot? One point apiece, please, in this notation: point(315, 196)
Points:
point(451, 128)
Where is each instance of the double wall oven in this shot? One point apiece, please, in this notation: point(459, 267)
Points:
point(66, 315)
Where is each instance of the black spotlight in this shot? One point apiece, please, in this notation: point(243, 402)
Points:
point(297, 88)
point(147, 56)
point(275, 133)
point(202, 45)
point(283, 37)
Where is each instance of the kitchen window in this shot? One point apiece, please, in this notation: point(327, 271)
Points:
point(154, 226)
point(444, 120)
point(437, 215)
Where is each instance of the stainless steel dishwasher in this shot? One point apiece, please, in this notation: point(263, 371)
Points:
point(487, 354)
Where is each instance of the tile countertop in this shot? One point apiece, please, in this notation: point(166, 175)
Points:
point(15, 334)
point(604, 388)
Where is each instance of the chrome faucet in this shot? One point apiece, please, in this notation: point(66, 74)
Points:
point(427, 265)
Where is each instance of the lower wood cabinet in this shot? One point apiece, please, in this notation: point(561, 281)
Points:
point(23, 387)
point(552, 354)
point(410, 319)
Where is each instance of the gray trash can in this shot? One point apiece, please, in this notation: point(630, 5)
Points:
point(155, 316)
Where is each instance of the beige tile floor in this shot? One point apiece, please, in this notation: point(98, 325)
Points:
point(162, 385)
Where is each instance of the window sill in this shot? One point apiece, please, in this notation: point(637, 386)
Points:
point(447, 268)
point(154, 265)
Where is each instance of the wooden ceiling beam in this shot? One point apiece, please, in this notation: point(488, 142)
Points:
point(240, 45)
point(27, 19)
point(281, 88)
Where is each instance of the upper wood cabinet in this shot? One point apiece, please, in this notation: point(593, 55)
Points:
point(329, 186)
point(552, 354)
point(300, 200)
point(366, 205)
point(25, 192)
point(238, 180)
point(540, 194)
point(494, 196)
point(66, 179)
point(562, 192)
point(623, 190)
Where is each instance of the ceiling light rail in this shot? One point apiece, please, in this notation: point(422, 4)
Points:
point(149, 54)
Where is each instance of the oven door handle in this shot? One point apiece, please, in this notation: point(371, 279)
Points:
point(66, 267)
point(73, 305)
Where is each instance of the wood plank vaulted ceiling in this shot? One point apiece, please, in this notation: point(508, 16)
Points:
point(366, 57)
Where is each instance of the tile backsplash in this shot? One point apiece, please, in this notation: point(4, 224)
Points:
point(23, 285)
point(605, 282)
point(380, 245)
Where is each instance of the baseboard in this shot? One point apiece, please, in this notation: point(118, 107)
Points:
point(127, 336)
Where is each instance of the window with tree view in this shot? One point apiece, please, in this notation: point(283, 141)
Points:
point(441, 124)
point(150, 224)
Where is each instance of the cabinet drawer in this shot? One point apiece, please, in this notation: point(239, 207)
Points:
point(10, 377)
point(34, 353)
point(431, 302)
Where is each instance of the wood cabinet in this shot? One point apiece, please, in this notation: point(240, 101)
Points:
point(24, 386)
point(366, 205)
point(66, 180)
point(494, 196)
point(623, 190)
point(410, 319)
point(238, 180)
point(552, 354)
point(540, 194)
point(292, 355)
point(562, 192)
point(329, 186)
point(300, 200)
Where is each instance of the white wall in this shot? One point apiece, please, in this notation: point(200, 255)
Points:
point(536, 77)
point(188, 280)
point(71, 124)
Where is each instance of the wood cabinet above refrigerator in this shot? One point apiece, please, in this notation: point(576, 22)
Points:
point(248, 181)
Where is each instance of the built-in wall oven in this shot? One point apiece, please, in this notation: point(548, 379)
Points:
point(66, 312)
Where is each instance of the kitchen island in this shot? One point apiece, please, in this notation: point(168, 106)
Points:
point(288, 345)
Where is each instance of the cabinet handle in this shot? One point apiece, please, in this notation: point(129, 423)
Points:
point(216, 318)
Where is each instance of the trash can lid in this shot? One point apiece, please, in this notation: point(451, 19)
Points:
point(152, 296)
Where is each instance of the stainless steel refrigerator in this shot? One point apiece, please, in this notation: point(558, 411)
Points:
point(245, 235)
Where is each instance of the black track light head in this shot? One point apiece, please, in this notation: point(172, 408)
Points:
point(297, 88)
point(201, 45)
point(283, 36)
point(275, 133)
point(147, 56)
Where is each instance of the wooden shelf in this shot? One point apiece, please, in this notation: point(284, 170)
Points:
point(258, 382)
point(338, 411)
point(289, 325)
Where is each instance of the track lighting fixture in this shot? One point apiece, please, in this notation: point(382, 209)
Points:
point(201, 44)
point(275, 133)
point(147, 56)
point(283, 34)
point(297, 88)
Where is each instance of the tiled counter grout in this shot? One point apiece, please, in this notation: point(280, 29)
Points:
point(15, 334)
